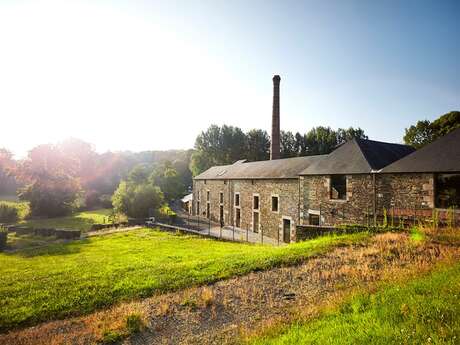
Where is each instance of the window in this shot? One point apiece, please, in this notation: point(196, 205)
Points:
point(207, 195)
point(256, 202)
point(275, 204)
point(199, 194)
point(237, 199)
point(338, 187)
point(447, 190)
point(221, 197)
point(313, 219)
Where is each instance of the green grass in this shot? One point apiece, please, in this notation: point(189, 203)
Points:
point(80, 220)
point(424, 311)
point(81, 276)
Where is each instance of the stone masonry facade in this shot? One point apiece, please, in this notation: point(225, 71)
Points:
point(222, 194)
point(402, 194)
point(298, 199)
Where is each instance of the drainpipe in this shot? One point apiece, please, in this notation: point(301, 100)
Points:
point(298, 205)
point(374, 201)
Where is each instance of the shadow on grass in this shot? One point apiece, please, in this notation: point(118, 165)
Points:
point(50, 249)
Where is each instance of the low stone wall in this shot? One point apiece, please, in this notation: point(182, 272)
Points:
point(305, 232)
point(59, 233)
point(96, 227)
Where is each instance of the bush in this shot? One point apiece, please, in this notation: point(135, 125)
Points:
point(135, 200)
point(3, 237)
point(9, 212)
point(134, 323)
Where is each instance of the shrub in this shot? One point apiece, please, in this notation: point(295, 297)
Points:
point(3, 237)
point(134, 323)
point(135, 200)
point(9, 213)
point(111, 337)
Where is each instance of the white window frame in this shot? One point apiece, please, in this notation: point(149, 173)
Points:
point(258, 211)
point(239, 199)
point(271, 203)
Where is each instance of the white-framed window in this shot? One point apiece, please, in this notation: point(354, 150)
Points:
point(256, 201)
point(275, 203)
point(338, 187)
point(237, 199)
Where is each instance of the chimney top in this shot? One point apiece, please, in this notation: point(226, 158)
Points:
point(277, 78)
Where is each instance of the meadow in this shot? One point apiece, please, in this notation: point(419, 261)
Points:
point(423, 311)
point(79, 220)
point(61, 280)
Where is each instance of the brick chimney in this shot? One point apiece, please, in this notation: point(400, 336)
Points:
point(275, 144)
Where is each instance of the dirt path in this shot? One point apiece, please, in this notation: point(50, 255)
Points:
point(221, 313)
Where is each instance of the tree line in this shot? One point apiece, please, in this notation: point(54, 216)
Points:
point(227, 144)
point(57, 179)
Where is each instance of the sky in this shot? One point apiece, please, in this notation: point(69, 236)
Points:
point(151, 75)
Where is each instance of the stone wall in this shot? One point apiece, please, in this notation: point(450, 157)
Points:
point(402, 194)
point(270, 223)
point(405, 191)
point(315, 191)
point(399, 194)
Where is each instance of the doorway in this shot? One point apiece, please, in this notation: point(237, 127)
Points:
point(255, 223)
point(237, 217)
point(208, 210)
point(221, 214)
point(286, 230)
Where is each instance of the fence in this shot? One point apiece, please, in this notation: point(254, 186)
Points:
point(208, 227)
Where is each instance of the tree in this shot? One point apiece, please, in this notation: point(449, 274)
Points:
point(8, 184)
point(258, 145)
point(137, 200)
point(50, 182)
point(287, 145)
point(217, 146)
point(320, 140)
point(166, 177)
point(425, 132)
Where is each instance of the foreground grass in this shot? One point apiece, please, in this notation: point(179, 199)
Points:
point(424, 311)
point(80, 220)
point(79, 277)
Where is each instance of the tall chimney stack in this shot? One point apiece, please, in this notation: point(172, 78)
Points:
point(275, 144)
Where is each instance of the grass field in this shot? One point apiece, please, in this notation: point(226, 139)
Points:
point(425, 311)
point(81, 276)
point(80, 220)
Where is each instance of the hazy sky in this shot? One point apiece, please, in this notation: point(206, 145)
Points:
point(142, 75)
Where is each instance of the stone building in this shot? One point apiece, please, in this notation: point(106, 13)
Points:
point(339, 188)
point(356, 183)
point(427, 179)
point(257, 196)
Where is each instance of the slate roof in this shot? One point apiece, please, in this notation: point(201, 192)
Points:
point(358, 156)
point(442, 155)
point(271, 169)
